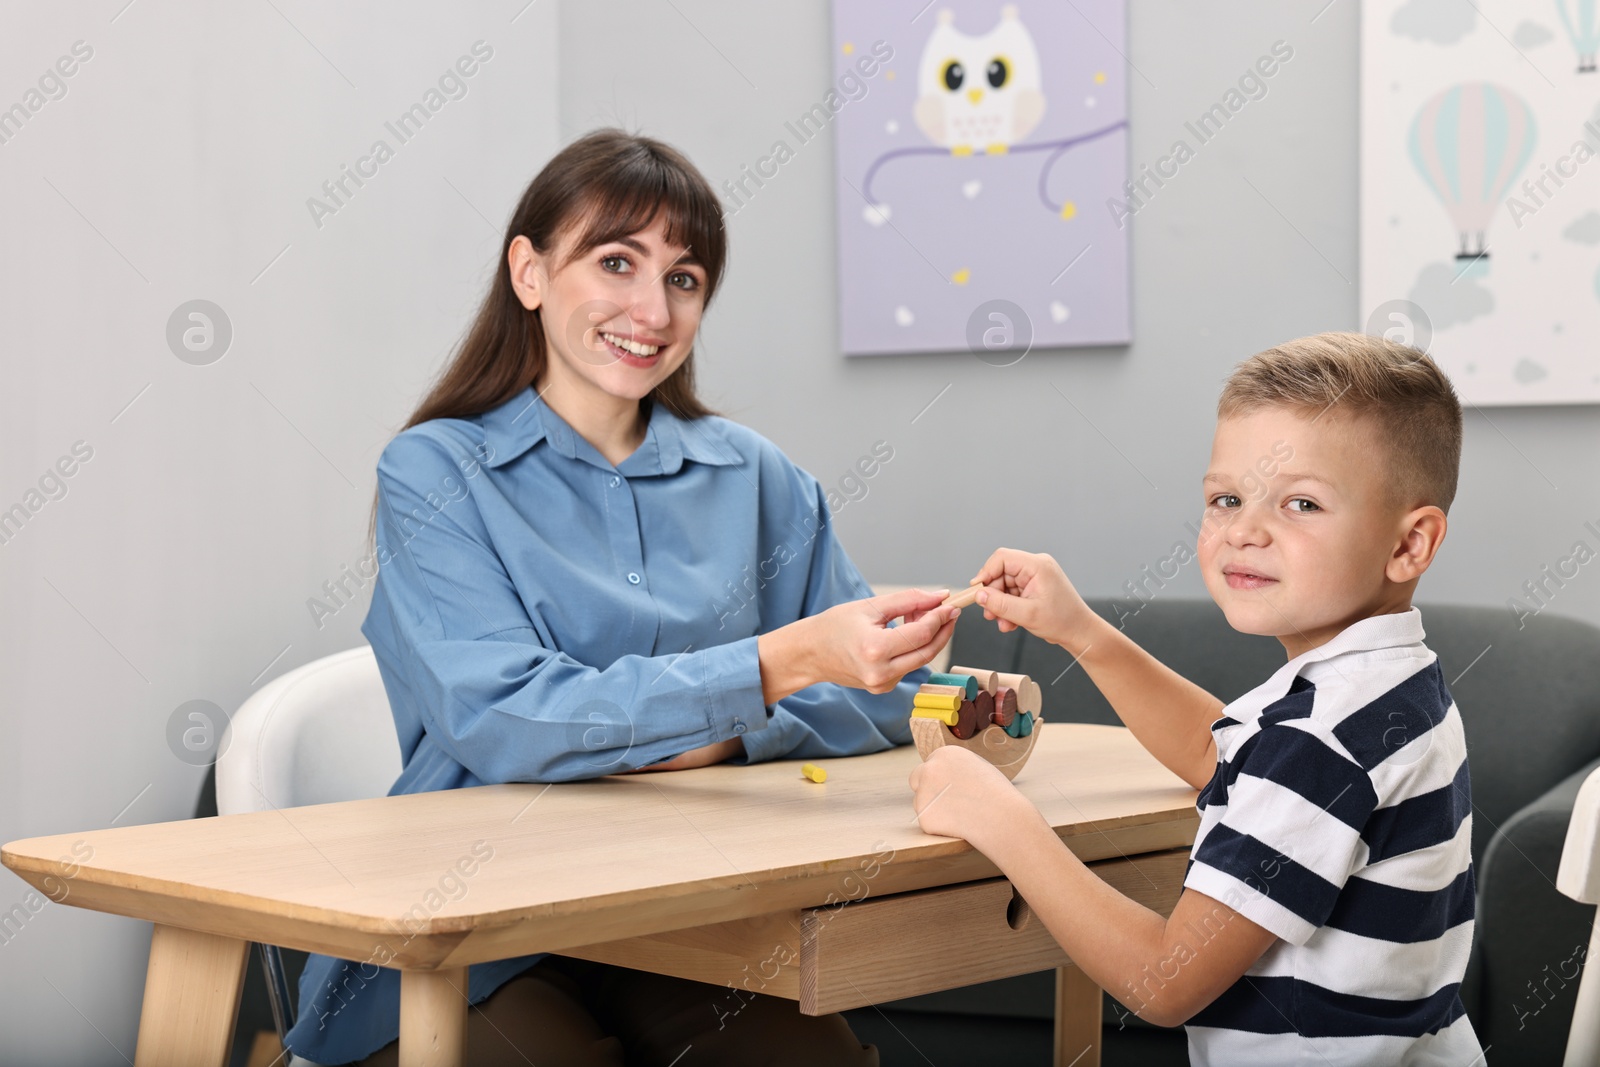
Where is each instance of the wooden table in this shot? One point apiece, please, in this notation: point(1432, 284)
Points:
point(749, 876)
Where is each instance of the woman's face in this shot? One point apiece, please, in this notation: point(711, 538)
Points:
point(619, 318)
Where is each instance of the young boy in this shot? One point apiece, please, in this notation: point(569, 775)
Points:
point(1327, 910)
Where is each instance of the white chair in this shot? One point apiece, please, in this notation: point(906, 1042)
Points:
point(1579, 878)
point(319, 734)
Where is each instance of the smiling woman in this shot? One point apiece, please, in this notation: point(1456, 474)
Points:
point(557, 621)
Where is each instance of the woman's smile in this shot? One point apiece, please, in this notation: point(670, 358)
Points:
point(630, 350)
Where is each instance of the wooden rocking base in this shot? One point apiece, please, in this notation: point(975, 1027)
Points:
point(992, 743)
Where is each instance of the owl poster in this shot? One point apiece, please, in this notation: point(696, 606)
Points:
point(981, 148)
point(1480, 192)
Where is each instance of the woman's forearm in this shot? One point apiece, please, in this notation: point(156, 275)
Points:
point(786, 661)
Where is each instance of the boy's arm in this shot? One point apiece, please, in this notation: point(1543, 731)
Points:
point(1170, 715)
point(1164, 970)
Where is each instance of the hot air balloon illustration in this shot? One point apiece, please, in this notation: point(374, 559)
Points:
point(1582, 20)
point(1469, 143)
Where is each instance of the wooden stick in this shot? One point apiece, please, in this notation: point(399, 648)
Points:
point(962, 598)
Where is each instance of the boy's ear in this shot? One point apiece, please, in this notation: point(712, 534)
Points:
point(1421, 533)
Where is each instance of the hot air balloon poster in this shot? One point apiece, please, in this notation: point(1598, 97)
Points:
point(980, 146)
point(1480, 192)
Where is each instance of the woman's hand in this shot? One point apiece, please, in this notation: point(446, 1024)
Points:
point(854, 645)
point(1032, 591)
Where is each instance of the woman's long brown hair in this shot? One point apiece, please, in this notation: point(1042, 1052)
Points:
point(605, 185)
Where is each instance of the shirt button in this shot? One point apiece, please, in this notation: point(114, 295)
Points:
point(634, 578)
point(738, 726)
point(615, 481)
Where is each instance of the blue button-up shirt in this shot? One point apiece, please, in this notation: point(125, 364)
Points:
point(541, 615)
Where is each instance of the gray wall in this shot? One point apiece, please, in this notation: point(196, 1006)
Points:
point(1220, 271)
point(178, 564)
point(218, 497)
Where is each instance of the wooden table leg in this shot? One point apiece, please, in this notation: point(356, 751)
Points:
point(433, 1018)
point(191, 998)
point(1078, 1003)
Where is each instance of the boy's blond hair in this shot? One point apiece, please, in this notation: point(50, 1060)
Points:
point(1397, 390)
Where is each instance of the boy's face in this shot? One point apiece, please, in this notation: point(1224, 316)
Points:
point(1300, 534)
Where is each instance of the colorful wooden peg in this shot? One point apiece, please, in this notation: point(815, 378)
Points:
point(1021, 726)
point(974, 715)
point(987, 680)
point(969, 685)
point(975, 725)
point(1005, 706)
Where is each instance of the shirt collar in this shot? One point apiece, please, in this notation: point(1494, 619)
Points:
point(1372, 634)
point(523, 421)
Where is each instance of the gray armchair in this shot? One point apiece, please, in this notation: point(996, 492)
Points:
point(1530, 701)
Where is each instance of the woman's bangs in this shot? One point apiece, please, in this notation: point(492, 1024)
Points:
point(626, 200)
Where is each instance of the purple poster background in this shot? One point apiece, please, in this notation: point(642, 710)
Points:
point(931, 231)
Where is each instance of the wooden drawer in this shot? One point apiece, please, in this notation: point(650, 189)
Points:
point(878, 949)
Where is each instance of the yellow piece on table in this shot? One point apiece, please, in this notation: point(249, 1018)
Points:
point(813, 772)
point(945, 702)
point(946, 716)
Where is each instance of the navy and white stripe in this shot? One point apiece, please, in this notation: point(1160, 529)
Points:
point(1340, 819)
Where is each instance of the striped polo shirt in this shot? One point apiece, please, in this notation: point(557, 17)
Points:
point(1340, 819)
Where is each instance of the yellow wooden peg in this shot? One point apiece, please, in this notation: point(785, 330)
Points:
point(813, 772)
point(948, 717)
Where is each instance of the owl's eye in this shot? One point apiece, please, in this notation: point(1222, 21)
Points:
point(954, 75)
point(998, 72)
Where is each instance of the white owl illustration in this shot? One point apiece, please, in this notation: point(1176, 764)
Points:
point(979, 93)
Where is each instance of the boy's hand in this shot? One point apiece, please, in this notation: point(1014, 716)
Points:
point(1032, 591)
point(958, 794)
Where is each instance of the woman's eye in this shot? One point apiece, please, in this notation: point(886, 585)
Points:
point(684, 280)
point(606, 264)
point(1216, 501)
point(1312, 505)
